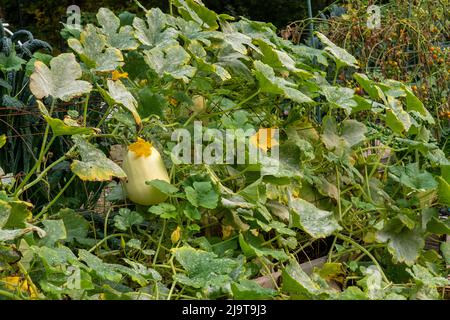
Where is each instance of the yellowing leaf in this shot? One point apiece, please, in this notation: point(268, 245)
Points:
point(60, 80)
point(15, 283)
point(95, 165)
point(118, 93)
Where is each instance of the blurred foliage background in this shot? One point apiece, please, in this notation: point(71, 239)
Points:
point(44, 17)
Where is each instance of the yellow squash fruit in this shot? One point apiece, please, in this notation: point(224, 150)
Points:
point(142, 163)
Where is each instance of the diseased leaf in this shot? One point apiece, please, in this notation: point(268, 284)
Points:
point(203, 269)
point(270, 83)
point(412, 177)
point(170, 60)
point(341, 55)
point(396, 118)
point(404, 244)
point(60, 80)
point(14, 213)
point(317, 223)
point(55, 230)
point(118, 93)
point(154, 31)
point(2, 140)
point(103, 270)
point(340, 98)
point(117, 36)
point(95, 166)
point(297, 283)
point(193, 10)
point(93, 51)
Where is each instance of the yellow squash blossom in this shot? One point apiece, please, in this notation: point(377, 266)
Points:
point(116, 75)
point(264, 139)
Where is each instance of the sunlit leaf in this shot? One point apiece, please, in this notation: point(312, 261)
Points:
point(317, 223)
point(117, 36)
point(404, 244)
point(193, 10)
point(341, 55)
point(60, 80)
point(203, 269)
point(95, 166)
point(270, 83)
point(93, 51)
point(153, 31)
point(171, 60)
point(118, 93)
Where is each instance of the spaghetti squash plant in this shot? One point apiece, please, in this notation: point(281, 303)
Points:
point(360, 180)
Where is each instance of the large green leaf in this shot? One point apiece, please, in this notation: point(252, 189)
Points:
point(93, 51)
point(412, 177)
point(117, 37)
point(95, 166)
point(277, 58)
point(404, 244)
point(297, 283)
point(76, 226)
point(13, 213)
point(126, 218)
point(414, 104)
point(171, 60)
point(396, 118)
point(55, 230)
point(153, 31)
point(341, 56)
point(102, 269)
point(203, 269)
point(60, 81)
point(368, 86)
point(340, 98)
point(317, 223)
point(270, 83)
point(202, 194)
point(352, 133)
